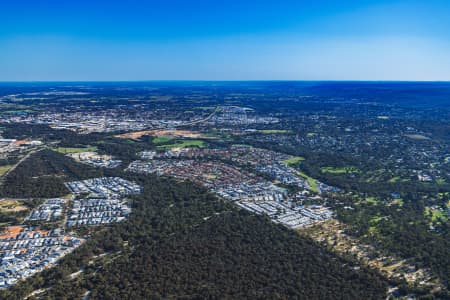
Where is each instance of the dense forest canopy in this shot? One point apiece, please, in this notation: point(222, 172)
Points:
point(182, 242)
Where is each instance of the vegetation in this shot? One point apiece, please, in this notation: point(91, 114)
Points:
point(400, 230)
point(398, 179)
point(311, 181)
point(162, 139)
point(435, 215)
point(368, 149)
point(43, 175)
point(4, 169)
point(11, 206)
point(296, 162)
point(181, 242)
point(273, 131)
point(68, 150)
point(343, 170)
point(13, 212)
point(372, 200)
point(182, 144)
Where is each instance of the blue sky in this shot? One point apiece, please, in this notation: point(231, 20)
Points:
point(224, 40)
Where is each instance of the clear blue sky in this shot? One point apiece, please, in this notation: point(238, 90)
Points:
point(224, 40)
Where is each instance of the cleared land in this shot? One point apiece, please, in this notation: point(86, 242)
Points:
point(333, 234)
point(8, 206)
point(4, 169)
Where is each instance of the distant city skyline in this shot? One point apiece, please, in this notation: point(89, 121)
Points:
point(224, 40)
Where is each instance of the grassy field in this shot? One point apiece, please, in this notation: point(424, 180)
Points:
point(375, 176)
point(162, 139)
point(65, 150)
point(373, 228)
point(344, 170)
point(273, 131)
point(4, 169)
point(440, 181)
point(436, 215)
point(311, 181)
point(398, 179)
point(398, 202)
point(375, 220)
point(372, 200)
point(183, 144)
point(294, 160)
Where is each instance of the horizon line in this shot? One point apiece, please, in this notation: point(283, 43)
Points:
point(225, 80)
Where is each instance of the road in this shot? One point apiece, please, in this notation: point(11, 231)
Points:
point(203, 120)
point(25, 158)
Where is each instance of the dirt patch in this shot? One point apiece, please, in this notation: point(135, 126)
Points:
point(333, 235)
point(12, 206)
point(11, 232)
